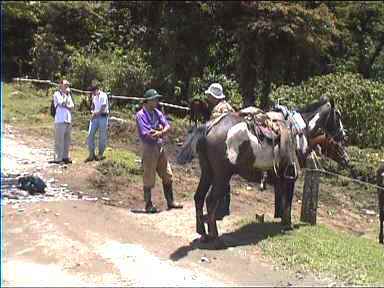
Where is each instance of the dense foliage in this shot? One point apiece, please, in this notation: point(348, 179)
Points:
point(360, 101)
point(180, 47)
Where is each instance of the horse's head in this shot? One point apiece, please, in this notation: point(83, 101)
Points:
point(322, 115)
point(336, 151)
point(334, 127)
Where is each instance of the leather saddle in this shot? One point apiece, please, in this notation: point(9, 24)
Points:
point(260, 125)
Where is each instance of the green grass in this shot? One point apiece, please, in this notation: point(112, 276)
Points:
point(348, 258)
point(23, 103)
point(120, 163)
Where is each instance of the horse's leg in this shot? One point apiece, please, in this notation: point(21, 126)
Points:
point(287, 195)
point(213, 198)
point(199, 198)
point(224, 203)
point(263, 182)
point(278, 199)
point(202, 190)
point(212, 204)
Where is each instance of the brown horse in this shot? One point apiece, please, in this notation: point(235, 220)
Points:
point(228, 148)
point(380, 182)
point(199, 111)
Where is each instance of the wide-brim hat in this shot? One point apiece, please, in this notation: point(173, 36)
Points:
point(216, 91)
point(151, 94)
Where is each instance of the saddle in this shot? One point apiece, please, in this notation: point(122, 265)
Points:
point(260, 124)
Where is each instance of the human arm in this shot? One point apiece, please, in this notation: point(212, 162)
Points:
point(144, 128)
point(164, 126)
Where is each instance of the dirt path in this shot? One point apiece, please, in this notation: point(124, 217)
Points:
point(59, 240)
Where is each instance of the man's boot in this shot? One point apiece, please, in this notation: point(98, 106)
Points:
point(168, 193)
point(149, 208)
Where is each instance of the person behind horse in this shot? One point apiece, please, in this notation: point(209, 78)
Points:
point(99, 121)
point(152, 127)
point(216, 98)
point(63, 123)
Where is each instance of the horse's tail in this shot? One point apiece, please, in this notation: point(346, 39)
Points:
point(191, 145)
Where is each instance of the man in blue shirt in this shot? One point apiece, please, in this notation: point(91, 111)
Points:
point(152, 127)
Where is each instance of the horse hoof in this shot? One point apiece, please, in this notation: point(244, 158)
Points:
point(207, 238)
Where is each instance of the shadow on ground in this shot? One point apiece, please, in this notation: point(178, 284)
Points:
point(249, 234)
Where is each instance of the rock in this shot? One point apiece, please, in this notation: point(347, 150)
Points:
point(20, 210)
point(204, 259)
point(86, 198)
point(106, 199)
point(45, 211)
point(22, 193)
point(249, 188)
point(10, 196)
point(57, 214)
point(368, 212)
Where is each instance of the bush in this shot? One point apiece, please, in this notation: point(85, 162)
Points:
point(360, 101)
point(119, 73)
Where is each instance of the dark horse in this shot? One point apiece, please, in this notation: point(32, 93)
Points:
point(228, 148)
point(380, 182)
point(320, 118)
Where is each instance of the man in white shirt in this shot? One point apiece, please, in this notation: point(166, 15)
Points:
point(99, 121)
point(63, 122)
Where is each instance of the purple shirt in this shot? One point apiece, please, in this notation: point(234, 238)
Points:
point(146, 121)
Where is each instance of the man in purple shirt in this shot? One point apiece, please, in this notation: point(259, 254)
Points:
point(152, 127)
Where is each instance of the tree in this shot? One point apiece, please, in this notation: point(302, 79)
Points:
point(281, 42)
point(362, 37)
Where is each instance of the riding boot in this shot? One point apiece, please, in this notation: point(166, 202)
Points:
point(223, 208)
point(149, 208)
point(168, 193)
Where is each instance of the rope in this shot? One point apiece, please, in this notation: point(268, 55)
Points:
point(345, 177)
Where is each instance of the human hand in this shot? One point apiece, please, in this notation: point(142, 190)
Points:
point(156, 134)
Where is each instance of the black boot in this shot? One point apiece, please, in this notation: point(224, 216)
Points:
point(149, 208)
point(168, 193)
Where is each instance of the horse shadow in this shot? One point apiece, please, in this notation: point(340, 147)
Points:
point(249, 234)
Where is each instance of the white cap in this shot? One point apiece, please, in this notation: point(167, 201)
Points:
point(216, 90)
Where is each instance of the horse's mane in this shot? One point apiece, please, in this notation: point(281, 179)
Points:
point(313, 106)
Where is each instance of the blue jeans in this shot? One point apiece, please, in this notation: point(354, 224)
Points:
point(99, 123)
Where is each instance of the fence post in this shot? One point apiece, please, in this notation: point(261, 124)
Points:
point(310, 192)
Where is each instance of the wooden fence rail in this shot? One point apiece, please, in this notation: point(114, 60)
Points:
point(48, 82)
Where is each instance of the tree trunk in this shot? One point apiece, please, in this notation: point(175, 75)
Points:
point(247, 73)
point(310, 193)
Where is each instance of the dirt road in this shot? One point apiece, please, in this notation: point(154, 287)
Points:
point(60, 240)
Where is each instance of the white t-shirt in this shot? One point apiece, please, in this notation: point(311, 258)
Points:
point(63, 114)
point(100, 100)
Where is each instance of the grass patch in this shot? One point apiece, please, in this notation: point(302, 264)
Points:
point(26, 104)
point(120, 163)
point(346, 257)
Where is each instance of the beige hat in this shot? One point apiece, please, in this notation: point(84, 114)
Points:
point(216, 90)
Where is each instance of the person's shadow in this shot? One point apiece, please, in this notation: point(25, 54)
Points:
point(249, 234)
